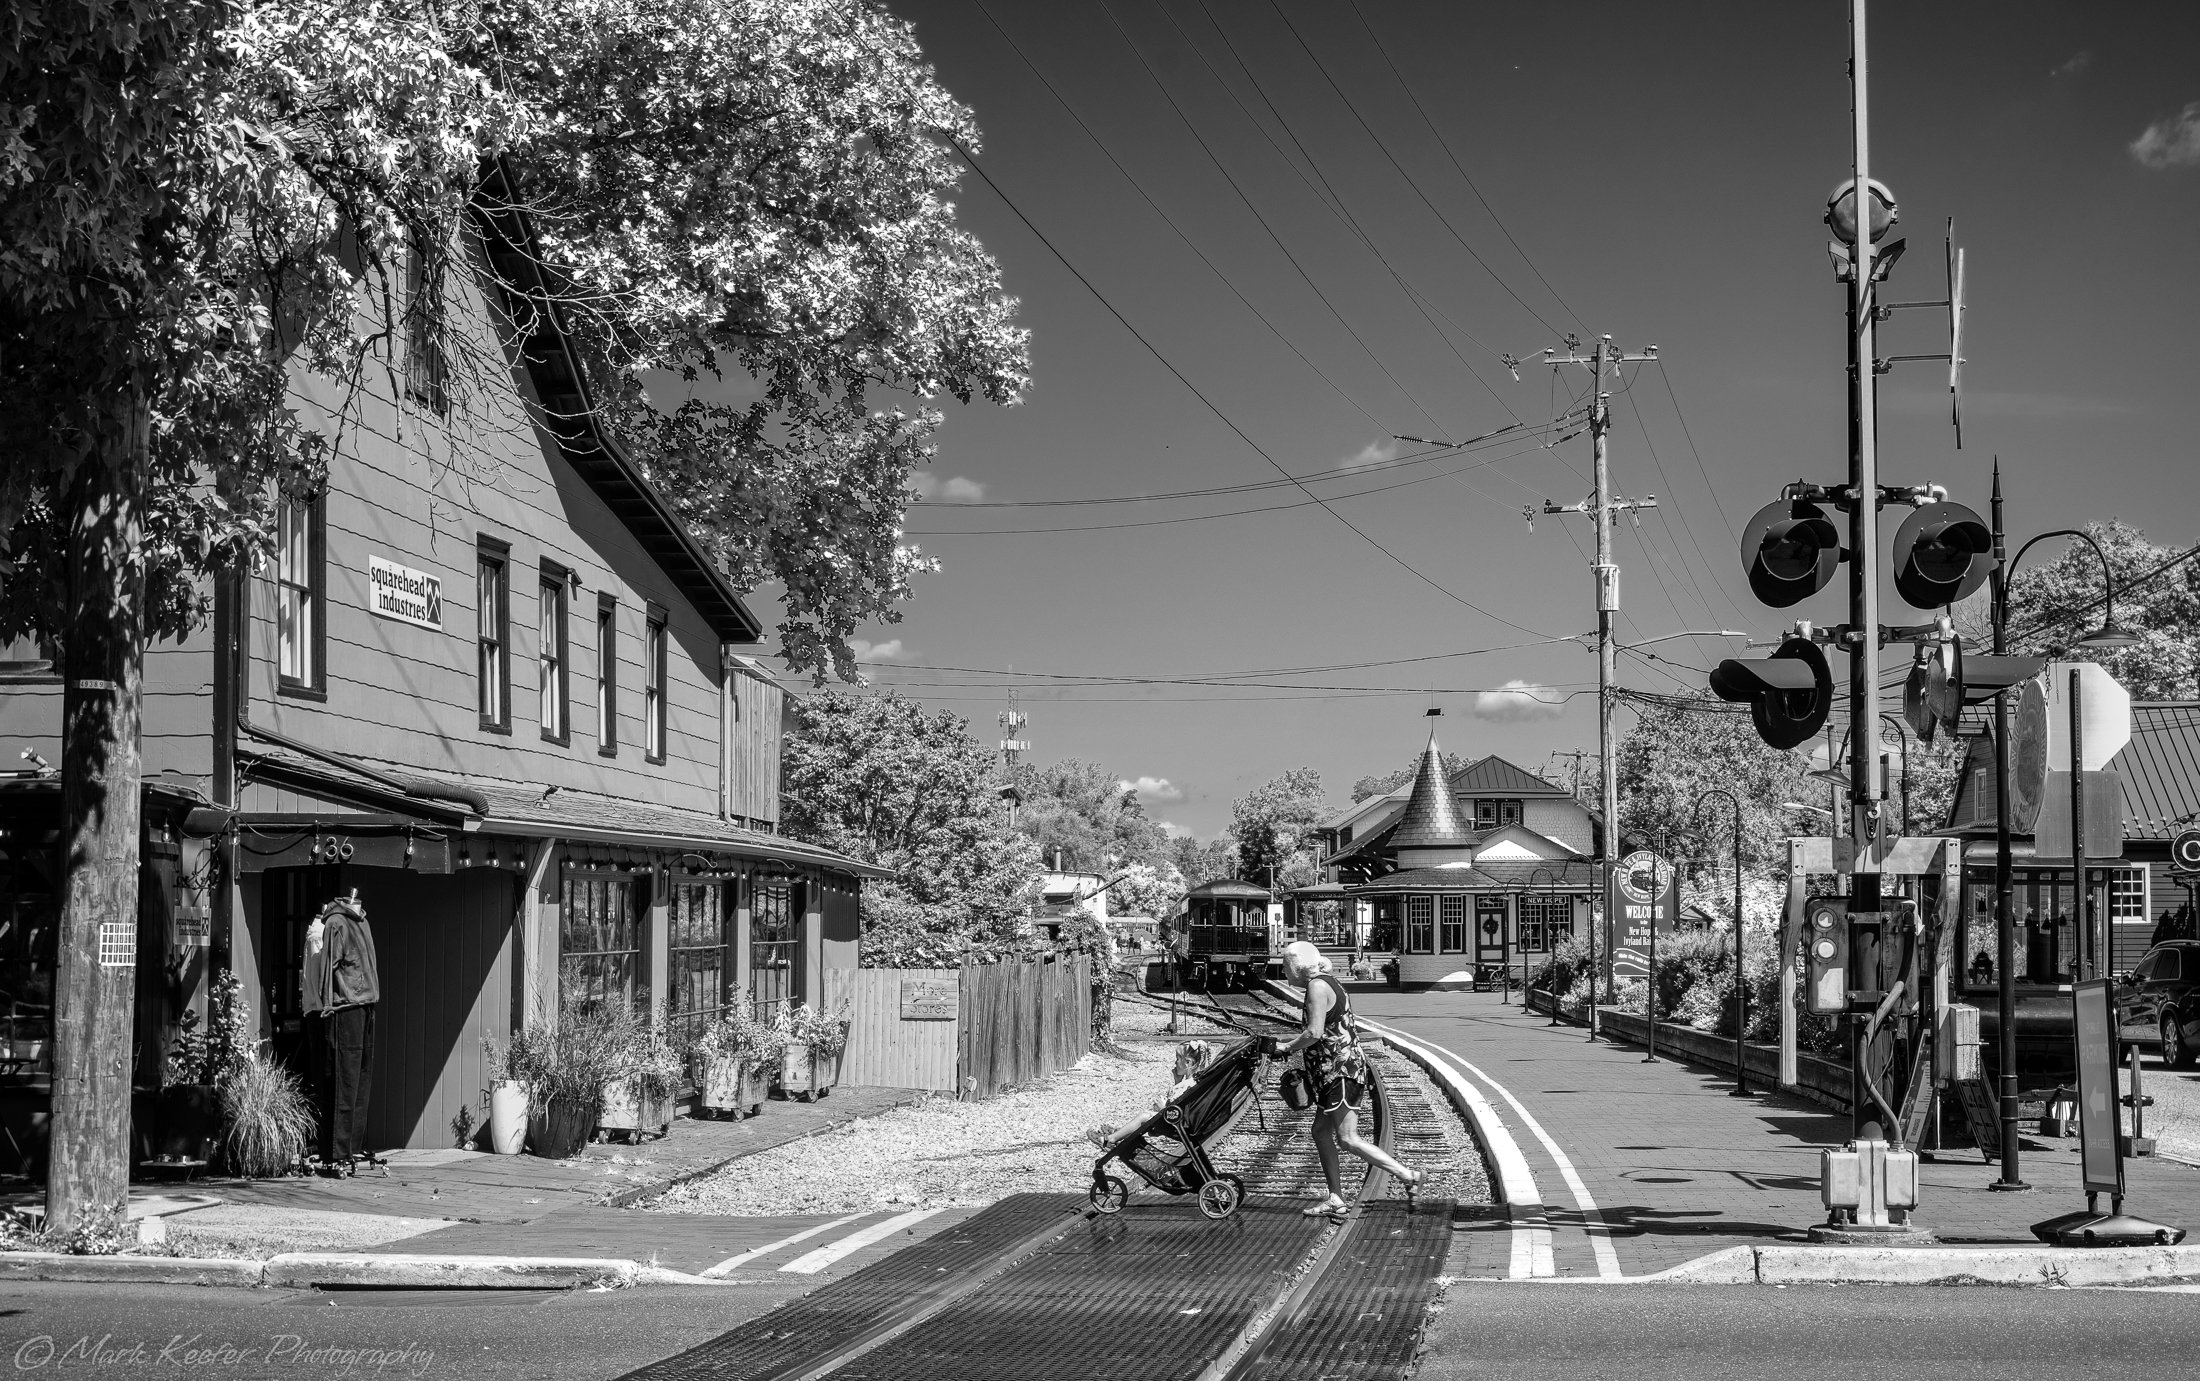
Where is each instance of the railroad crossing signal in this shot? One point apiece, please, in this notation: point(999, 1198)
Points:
point(1789, 694)
point(1943, 552)
point(1791, 549)
point(1826, 955)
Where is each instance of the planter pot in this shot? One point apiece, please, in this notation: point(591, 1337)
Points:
point(734, 1085)
point(804, 1071)
point(189, 1116)
point(558, 1130)
point(508, 1117)
point(625, 1110)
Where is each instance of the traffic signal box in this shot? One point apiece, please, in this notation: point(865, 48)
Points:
point(1826, 956)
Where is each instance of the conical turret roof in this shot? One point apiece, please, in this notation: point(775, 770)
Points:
point(1431, 819)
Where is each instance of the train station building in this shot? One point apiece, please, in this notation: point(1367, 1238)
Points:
point(1461, 876)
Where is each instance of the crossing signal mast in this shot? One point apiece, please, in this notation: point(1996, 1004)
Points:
point(1861, 961)
point(1013, 747)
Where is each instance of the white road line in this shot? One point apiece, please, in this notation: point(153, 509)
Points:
point(733, 1262)
point(1592, 1218)
point(1531, 1241)
point(810, 1263)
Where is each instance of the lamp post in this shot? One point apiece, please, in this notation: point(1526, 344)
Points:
point(2108, 635)
point(1741, 986)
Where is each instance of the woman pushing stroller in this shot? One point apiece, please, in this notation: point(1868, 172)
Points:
point(1337, 1070)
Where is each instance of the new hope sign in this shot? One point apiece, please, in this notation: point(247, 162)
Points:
point(402, 593)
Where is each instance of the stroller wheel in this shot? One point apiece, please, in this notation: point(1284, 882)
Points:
point(1108, 1194)
point(1220, 1196)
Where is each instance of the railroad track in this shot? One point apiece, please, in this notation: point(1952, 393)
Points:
point(1037, 1285)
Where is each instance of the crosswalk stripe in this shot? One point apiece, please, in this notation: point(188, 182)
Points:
point(733, 1262)
point(810, 1263)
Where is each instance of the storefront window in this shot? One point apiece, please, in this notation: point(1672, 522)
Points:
point(1545, 921)
point(1454, 935)
point(774, 944)
point(701, 956)
point(1420, 925)
point(30, 915)
point(600, 940)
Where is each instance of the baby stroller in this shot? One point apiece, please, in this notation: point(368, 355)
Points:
point(1170, 1150)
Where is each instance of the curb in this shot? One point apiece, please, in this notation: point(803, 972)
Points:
point(338, 1270)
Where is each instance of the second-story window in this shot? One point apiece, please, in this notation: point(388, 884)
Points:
point(551, 653)
point(607, 675)
point(299, 560)
point(493, 605)
point(653, 687)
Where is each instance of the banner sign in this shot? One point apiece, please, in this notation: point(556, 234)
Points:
point(1649, 895)
point(404, 594)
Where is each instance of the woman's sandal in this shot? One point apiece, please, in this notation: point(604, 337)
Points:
point(1413, 1185)
point(1327, 1208)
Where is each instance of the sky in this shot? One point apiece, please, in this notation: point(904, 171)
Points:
point(1368, 216)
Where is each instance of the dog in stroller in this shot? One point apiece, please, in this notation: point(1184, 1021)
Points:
point(1172, 1149)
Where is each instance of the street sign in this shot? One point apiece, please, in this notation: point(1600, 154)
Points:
point(2104, 817)
point(1649, 895)
point(2106, 712)
point(2184, 851)
point(2100, 1149)
point(2027, 756)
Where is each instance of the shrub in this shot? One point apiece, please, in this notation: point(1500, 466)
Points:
point(266, 1118)
point(570, 1057)
point(806, 1026)
point(740, 1033)
point(207, 1055)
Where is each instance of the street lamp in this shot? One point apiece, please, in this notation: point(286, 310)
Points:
point(1741, 987)
point(2107, 635)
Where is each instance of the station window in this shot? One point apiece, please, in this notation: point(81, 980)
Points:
point(653, 687)
point(493, 613)
point(1545, 921)
point(2127, 895)
point(551, 653)
point(607, 675)
point(1495, 813)
point(1453, 934)
point(600, 940)
point(700, 954)
point(774, 944)
point(1420, 925)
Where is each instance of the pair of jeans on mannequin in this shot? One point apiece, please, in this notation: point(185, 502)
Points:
point(340, 1056)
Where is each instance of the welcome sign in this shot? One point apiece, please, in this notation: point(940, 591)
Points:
point(404, 594)
point(1649, 896)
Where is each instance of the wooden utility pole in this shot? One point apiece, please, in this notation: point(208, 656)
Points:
point(1603, 358)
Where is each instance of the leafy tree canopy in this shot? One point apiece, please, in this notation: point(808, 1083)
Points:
point(1204, 860)
point(1273, 825)
point(1088, 814)
point(880, 779)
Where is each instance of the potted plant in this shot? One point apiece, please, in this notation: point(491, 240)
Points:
point(735, 1057)
point(639, 1098)
point(507, 1100)
point(566, 1061)
point(201, 1059)
point(809, 1061)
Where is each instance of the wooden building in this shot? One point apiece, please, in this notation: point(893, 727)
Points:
point(1464, 877)
point(491, 682)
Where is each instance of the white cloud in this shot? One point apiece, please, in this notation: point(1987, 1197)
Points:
point(889, 651)
point(1176, 831)
point(1517, 700)
point(1373, 453)
point(1152, 790)
point(2072, 66)
point(2171, 143)
point(955, 489)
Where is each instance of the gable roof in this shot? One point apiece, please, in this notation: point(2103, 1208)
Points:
point(570, 415)
point(1431, 819)
point(1493, 776)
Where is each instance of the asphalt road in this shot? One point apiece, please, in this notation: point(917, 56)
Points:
point(1583, 1332)
point(1574, 1331)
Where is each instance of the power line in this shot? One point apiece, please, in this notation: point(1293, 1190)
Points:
point(1209, 403)
point(1667, 379)
point(1229, 677)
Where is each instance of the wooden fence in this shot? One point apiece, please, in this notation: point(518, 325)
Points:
point(1010, 1023)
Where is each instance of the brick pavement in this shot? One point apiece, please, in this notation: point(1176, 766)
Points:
point(1674, 1167)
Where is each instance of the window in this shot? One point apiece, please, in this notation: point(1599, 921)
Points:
point(299, 559)
point(551, 653)
point(774, 944)
point(600, 940)
point(1545, 921)
point(607, 676)
point(653, 687)
point(1453, 936)
point(700, 954)
point(425, 366)
point(1420, 925)
point(493, 607)
point(1492, 813)
point(2127, 895)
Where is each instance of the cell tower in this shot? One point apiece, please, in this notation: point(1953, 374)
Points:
point(1013, 748)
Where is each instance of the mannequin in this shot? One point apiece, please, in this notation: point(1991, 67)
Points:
point(340, 988)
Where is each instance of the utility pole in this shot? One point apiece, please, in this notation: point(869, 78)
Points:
point(1012, 750)
point(1603, 358)
point(1578, 756)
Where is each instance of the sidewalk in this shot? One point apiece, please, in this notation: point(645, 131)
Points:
point(1675, 1168)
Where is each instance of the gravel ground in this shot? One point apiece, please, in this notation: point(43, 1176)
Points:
point(1454, 1163)
point(2175, 1116)
point(944, 1152)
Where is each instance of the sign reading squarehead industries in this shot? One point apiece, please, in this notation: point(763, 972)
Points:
point(402, 593)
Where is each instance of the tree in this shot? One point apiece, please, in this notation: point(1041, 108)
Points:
point(1274, 825)
point(752, 196)
point(1088, 814)
point(186, 196)
point(1367, 787)
point(1148, 889)
point(879, 779)
point(1204, 860)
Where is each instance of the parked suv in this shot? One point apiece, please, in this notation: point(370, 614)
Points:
point(2158, 1003)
